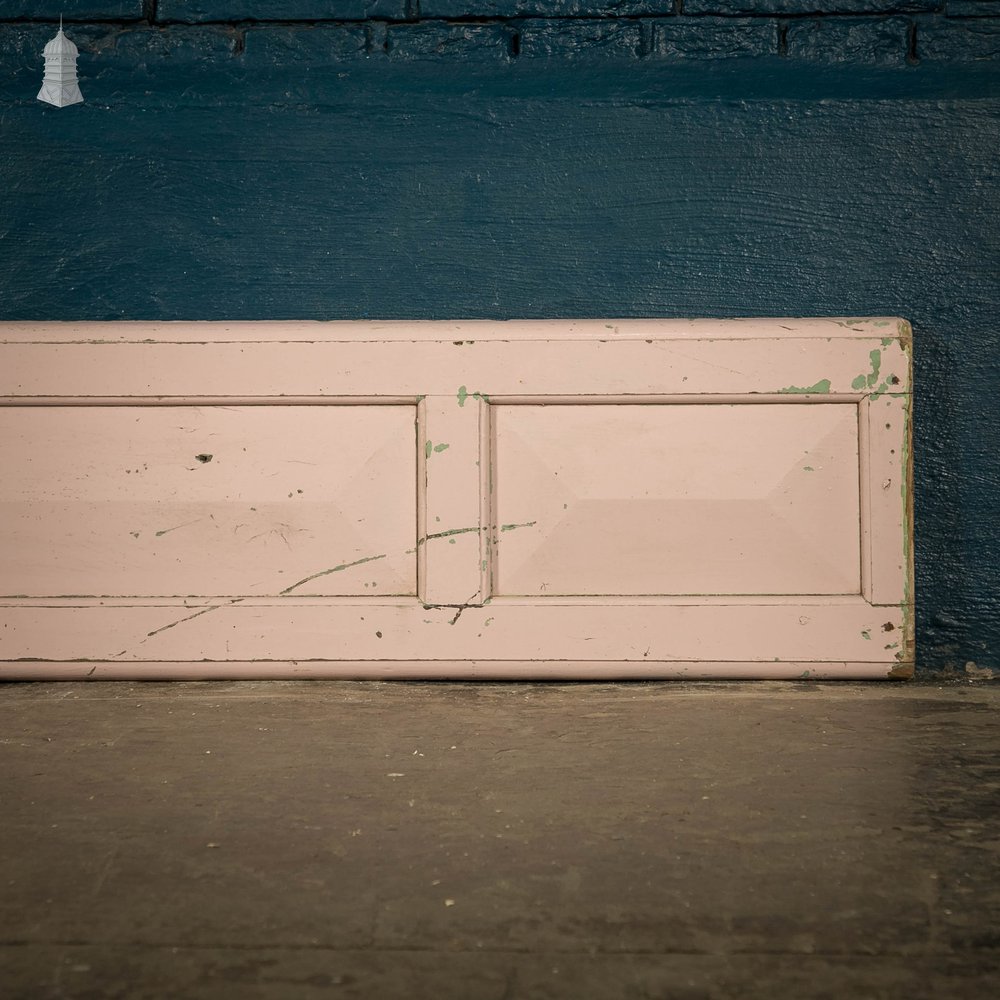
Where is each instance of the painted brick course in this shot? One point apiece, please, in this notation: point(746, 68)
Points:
point(72, 10)
point(278, 10)
point(544, 8)
point(758, 7)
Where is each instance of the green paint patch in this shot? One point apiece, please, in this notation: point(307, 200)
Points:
point(441, 447)
point(870, 379)
point(876, 360)
point(428, 448)
point(511, 527)
point(808, 468)
point(822, 386)
point(865, 634)
point(464, 394)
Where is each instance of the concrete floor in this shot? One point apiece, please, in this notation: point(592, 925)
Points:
point(384, 840)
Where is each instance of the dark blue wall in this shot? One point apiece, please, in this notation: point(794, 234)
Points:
point(535, 158)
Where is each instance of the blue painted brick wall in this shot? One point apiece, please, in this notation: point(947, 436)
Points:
point(466, 158)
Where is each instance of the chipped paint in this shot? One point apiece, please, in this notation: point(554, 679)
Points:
point(524, 524)
point(866, 634)
point(822, 386)
point(876, 359)
point(463, 395)
point(441, 447)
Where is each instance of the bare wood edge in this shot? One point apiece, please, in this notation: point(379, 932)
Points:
point(909, 540)
point(458, 332)
point(528, 671)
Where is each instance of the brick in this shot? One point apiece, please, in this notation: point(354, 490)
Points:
point(437, 40)
point(290, 46)
point(714, 38)
point(544, 8)
point(808, 6)
point(972, 8)
point(873, 41)
point(72, 10)
point(196, 11)
point(580, 39)
point(958, 41)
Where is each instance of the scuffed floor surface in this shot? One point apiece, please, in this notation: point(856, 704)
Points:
point(489, 842)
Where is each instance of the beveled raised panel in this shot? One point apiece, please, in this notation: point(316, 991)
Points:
point(191, 501)
point(739, 498)
point(533, 499)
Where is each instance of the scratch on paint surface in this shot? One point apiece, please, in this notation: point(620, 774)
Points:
point(332, 569)
point(180, 621)
point(701, 361)
point(197, 614)
point(448, 534)
point(166, 531)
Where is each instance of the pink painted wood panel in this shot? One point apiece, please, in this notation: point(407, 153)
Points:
point(702, 499)
point(733, 499)
point(190, 500)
